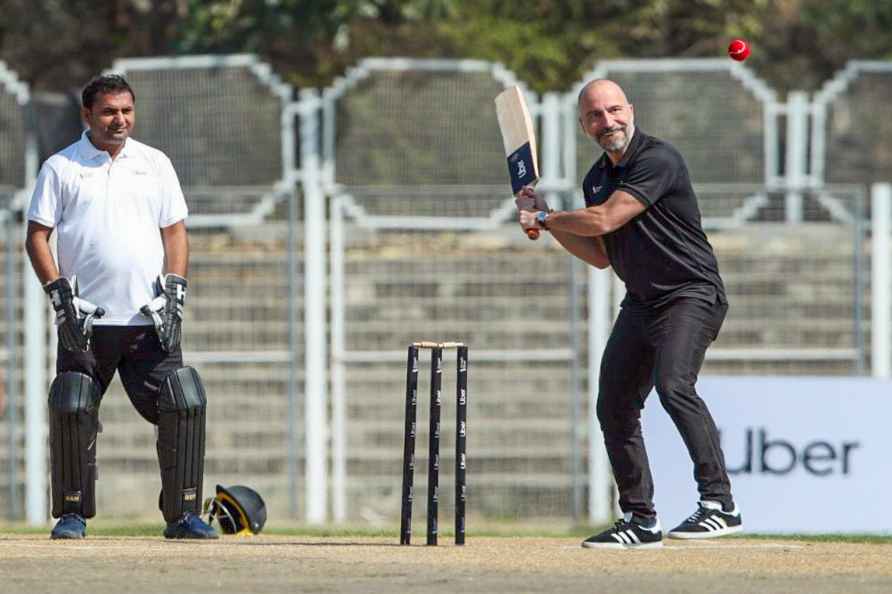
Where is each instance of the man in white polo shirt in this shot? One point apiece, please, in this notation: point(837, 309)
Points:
point(118, 291)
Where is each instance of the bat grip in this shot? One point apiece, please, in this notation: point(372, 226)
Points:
point(533, 234)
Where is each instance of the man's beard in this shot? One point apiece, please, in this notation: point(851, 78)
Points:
point(616, 142)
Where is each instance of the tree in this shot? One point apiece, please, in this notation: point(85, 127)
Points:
point(549, 43)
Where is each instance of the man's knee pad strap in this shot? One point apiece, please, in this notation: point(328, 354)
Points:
point(181, 429)
point(74, 424)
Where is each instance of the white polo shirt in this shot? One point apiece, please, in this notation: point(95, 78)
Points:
point(107, 217)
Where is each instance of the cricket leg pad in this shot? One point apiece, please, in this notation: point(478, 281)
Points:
point(74, 425)
point(181, 439)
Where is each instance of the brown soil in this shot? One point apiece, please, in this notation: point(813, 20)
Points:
point(269, 564)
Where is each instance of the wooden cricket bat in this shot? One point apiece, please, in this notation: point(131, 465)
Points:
point(519, 138)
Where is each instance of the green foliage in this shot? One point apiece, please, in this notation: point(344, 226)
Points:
point(57, 44)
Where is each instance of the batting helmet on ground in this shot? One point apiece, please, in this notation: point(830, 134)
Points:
point(238, 509)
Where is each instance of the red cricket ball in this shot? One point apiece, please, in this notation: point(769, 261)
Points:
point(738, 50)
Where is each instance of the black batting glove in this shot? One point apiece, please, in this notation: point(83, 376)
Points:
point(74, 316)
point(166, 310)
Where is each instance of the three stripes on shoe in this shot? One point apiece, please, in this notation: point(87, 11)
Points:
point(626, 537)
point(713, 523)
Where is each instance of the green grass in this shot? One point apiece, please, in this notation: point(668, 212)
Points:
point(850, 538)
point(143, 528)
point(97, 529)
point(507, 529)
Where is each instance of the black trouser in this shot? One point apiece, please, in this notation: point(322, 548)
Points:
point(136, 353)
point(662, 348)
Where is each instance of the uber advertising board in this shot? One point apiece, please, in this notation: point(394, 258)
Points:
point(804, 454)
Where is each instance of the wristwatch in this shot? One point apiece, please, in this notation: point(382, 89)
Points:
point(541, 218)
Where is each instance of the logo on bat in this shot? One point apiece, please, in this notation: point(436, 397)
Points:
point(521, 168)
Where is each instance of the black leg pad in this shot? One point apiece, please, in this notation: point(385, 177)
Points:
point(181, 427)
point(74, 424)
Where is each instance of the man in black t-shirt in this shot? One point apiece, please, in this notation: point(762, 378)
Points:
point(642, 219)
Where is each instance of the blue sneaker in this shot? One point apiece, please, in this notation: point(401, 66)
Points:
point(189, 526)
point(69, 526)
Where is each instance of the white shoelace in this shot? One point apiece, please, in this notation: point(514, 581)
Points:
point(697, 516)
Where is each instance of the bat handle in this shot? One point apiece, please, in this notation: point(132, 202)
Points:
point(533, 234)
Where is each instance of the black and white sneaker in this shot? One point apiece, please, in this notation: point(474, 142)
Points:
point(709, 521)
point(627, 534)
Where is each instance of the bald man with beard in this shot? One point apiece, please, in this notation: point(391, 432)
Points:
point(642, 219)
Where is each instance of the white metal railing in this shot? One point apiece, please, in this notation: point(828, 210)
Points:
point(881, 281)
point(345, 207)
point(315, 173)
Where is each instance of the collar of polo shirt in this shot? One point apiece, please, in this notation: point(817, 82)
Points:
point(89, 151)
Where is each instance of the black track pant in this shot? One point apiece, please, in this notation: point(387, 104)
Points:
point(662, 348)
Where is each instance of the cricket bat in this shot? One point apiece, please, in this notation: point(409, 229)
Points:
point(519, 139)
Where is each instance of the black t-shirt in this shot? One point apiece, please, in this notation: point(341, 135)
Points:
point(661, 254)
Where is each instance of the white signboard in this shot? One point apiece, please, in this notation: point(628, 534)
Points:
point(804, 454)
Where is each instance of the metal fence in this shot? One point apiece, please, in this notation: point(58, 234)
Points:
point(400, 186)
point(418, 252)
point(482, 285)
point(718, 114)
point(14, 167)
point(437, 260)
point(242, 326)
point(17, 165)
point(852, 126)
point(11, 433)
point(221, 121)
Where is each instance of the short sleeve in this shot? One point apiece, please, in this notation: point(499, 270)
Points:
point(46, 201)
point(173, 208)
point(586, 188)
point(652, 175)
